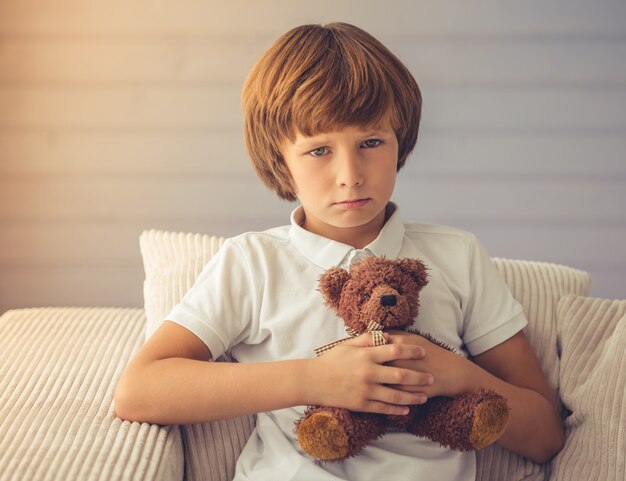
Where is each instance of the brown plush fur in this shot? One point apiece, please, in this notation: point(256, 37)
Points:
point(466, 422)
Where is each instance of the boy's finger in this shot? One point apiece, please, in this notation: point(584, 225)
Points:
point(402, 378)
point(393, 396)
point(384, 408)
point(362, 340)
point(408, 388)
point(396, 352)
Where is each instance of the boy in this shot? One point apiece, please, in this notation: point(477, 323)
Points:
point(330, 117)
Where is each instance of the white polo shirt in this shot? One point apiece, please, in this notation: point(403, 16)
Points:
point(257, 299)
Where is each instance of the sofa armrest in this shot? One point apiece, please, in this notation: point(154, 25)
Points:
point(58, 372)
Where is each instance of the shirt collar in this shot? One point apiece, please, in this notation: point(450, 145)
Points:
point(328, 253)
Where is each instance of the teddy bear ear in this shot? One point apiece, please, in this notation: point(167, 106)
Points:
point(416, 269)
point(331, 283)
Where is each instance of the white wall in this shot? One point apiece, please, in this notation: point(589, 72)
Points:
point(120, 116)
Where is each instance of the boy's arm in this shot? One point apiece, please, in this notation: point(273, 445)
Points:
point(510, 368)
point(171, 381)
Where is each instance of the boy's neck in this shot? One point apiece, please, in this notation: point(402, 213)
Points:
point(357, 237)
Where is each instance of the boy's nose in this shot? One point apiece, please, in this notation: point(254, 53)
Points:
point(349, 171)
point(388, 300)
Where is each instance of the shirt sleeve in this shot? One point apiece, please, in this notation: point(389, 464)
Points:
point(491, 315)
point(220, 305)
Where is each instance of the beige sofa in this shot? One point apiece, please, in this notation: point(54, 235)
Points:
point(59, 368)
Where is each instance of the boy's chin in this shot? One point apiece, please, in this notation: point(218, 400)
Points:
point(358, 222)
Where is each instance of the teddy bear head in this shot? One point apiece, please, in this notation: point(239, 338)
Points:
point(375, 289)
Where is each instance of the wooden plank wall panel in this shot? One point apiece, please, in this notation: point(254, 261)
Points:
point(49, 153)
point(121, 116)
point(501, 108)
point(198, 16)
point(534, 200)
point(31, 153)
point(195, 60)
point(70, 285)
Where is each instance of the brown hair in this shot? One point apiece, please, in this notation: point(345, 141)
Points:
point(316, 79)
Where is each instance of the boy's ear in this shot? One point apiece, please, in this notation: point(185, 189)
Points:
point(416, 269)
point(331, 283)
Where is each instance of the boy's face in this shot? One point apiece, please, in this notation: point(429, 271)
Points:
point(344, 180)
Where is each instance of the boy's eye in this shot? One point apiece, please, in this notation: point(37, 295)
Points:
point(368, 143)
point(317, 152)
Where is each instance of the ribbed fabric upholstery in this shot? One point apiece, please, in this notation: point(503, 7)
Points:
point(212, 449)
point(592, 338)
point(172, 261)
point(58, 372)
point(538, 286)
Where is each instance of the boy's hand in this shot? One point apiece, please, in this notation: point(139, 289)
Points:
point(356, 376)
point(448, 370)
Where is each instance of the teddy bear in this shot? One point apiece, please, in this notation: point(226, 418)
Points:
point(377, 294)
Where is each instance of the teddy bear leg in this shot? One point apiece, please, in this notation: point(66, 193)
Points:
point(464, 423)
point(331, 434)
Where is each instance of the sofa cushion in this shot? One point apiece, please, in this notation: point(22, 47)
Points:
point(172, 262)
point(58, 372)
point(538, 286)
point(592, 375)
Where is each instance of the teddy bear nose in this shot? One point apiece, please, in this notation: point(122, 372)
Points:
point(388, 300)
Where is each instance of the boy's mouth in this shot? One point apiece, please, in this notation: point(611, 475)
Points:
point(352, 203)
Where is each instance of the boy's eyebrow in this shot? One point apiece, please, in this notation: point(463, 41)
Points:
point(305, 144)
point(309, 141)
point(376, 132)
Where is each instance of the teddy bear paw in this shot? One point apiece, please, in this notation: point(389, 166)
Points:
point(322, 436)
point(491, 418)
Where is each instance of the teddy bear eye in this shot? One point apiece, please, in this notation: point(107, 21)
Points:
point(365, 294)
